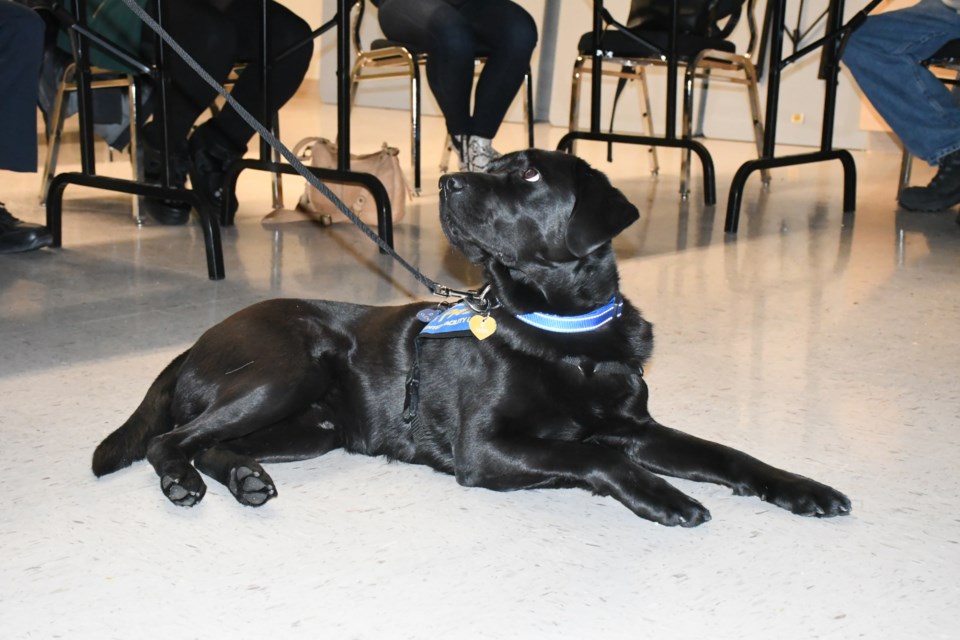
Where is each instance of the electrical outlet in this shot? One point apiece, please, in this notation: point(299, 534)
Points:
point(796, 118)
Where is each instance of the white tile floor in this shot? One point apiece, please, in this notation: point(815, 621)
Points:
point(822, 344)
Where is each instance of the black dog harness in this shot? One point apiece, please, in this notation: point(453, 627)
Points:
point(471, 316)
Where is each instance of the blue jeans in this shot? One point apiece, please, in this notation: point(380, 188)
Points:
point(884, 56)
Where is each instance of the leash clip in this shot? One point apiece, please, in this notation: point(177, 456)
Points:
point(477, 301)
point(448, 292)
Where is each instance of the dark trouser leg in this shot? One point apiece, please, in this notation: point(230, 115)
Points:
point(509, 34)
point(21, 40)
point(438, 28)
point(286, 30)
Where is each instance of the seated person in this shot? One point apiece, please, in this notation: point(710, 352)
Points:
point(218, 34)
point(886, 57)
point(451, 33)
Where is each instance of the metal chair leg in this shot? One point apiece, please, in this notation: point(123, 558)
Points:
point(648, 120)
point(55, 130)
point(446, 153)
point(906, 167)
point(688, 79)
point(697, 130)
point(751, 74)
point(415, 122)
point(528, 106)
point(575, 98)
point(134, 96)
point(276, 179)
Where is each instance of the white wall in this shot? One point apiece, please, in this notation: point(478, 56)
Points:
point(728, 111)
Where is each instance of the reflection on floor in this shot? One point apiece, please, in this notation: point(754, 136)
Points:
point(820, 342)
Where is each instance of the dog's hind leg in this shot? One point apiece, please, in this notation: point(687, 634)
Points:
point(235, 464)
point(223, 421)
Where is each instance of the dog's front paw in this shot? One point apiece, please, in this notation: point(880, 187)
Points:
point(251, 485)
point(182, 485)
point(676, 509)
point(689, 513)
point(806, 497)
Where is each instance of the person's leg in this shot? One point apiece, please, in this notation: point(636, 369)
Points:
point(286, 30)
point(21, 39)
point(508, 34)
point(211, 40)
point(437, 28)
point(219, 142)
point(884, 57)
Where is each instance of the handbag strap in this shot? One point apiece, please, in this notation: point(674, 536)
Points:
point(306, 142)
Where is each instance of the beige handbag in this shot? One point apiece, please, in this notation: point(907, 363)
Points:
point(384, 164)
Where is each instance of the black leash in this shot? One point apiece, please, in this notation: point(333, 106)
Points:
point(434, 287)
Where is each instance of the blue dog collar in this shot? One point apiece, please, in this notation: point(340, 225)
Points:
point(453, 322)
point(575, 324)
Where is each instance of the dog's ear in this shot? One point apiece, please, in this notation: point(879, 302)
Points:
point(599, 214)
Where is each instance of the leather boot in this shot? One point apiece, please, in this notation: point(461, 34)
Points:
point(17, 236)
point(164, 211)
point(943, 192)
point(211, 154)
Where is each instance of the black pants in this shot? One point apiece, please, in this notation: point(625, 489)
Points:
point(452, 33)
point(21, 49)
point(220, 40)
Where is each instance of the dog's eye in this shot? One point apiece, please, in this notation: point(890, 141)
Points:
point(530, 174)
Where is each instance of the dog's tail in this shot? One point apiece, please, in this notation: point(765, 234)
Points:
point(152, 418)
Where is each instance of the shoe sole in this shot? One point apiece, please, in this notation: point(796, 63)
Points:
point(930, 209)
point(38, 243)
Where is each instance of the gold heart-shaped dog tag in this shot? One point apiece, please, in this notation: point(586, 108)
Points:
point(482, 326)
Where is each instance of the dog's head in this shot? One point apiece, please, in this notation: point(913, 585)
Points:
point(539, 218)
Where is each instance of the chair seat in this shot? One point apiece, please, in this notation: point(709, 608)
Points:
point(619, 45)
point(384, 43)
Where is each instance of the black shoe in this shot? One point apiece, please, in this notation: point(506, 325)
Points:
point(169, 212)
point(943, 192)
point(17, 236)
point(210, 157)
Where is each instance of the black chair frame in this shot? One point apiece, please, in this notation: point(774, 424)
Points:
point(269, 161)
point(702, 58)
point(669, 138)
point(832, 44)
point(81, 38)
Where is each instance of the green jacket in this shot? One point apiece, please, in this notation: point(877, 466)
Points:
point(113, 21)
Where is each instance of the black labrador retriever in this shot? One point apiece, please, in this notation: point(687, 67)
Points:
point(536, 383)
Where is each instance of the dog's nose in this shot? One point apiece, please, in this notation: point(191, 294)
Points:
point(451, 183)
